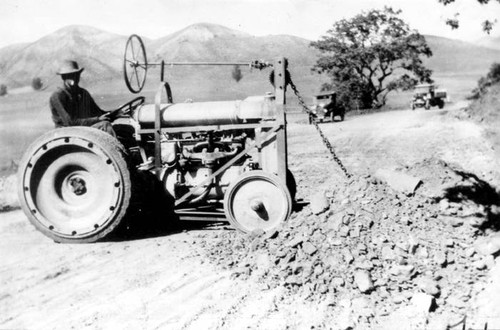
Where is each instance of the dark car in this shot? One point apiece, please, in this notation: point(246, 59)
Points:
point(325, 106)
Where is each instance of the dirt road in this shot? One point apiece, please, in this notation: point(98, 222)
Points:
point(165, 281)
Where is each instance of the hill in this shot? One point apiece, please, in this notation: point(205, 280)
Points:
point(454, 56)
point(490, 42)
point(8, 54)
point(97, 51)
point(101, 54)
point(213, 42)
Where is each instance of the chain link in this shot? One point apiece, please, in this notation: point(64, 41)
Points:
point(326, 142)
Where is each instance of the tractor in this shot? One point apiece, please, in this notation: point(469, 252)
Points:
point(214, 161)
point(426, 96)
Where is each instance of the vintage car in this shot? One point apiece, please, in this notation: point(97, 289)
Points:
point(325, 106)
point(427, 96)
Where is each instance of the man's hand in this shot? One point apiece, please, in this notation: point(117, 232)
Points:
point(111, 115)
point(105, 116)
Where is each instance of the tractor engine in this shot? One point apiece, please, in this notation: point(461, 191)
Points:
point(199, 138)
point(188, 161)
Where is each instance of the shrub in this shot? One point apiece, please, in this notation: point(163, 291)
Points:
point(3, 90)
point(492, 78)
point(36, 83)
point(236, 73)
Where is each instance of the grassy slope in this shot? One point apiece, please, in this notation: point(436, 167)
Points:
point(486, 110)
point(457, 57)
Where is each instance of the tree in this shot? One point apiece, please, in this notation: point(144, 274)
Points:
point(236, 73)
point(360, 54)
point(3, 90)
point(454, 22)
point(36, 83)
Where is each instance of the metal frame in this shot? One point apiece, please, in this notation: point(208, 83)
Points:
point(265, 132)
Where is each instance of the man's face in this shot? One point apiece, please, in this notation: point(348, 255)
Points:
point(71, 80)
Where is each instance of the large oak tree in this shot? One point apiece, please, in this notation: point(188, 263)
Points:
point(370, 55)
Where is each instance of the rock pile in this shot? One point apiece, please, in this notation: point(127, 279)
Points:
point(373, 247)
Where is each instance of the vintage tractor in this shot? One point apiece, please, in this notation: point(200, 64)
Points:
point(426, 96)
point(216, 161)
point(325, 106)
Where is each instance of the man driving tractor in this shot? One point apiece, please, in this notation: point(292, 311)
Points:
point(72, 105)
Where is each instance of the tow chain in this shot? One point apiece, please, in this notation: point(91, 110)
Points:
point(305, 109)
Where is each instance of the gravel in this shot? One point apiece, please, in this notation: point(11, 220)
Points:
point(394, 250)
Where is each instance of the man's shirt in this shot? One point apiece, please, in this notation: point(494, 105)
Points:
point(74, 108)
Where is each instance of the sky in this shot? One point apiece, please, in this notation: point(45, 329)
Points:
point(29, 20)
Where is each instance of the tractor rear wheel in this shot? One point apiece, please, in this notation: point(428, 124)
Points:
point(74, 184)
point(257, 201)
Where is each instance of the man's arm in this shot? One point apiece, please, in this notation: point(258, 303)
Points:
point(94, 108)
point(59, 115)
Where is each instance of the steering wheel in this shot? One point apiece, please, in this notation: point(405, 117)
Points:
point(135, 64)
point(126, 108)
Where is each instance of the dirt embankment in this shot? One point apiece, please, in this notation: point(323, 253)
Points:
point(486, 111)
point(370, 257)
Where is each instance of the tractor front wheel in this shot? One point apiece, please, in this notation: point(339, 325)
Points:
point(258, 201)
point(74, 184)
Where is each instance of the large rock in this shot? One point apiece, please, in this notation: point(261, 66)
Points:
point(405, 272)
point(421, 303)
point(319, 203)
point(441, 258)
point(398, 181)
point(429, 286)
point(364, 281)
point(387, 253)
point(309, 248)
point(335, 221)
point(488, 245)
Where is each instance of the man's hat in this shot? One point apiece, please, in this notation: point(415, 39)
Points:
point(69, 67)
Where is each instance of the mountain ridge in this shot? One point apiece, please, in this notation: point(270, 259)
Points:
point(101, 52)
